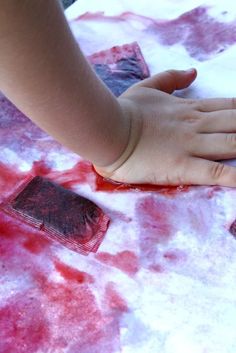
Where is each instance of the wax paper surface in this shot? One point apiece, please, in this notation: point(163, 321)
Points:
point(163, 280)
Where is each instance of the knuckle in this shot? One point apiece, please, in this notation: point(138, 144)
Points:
point(194, 105)
point(217, 171)
point(191, 118)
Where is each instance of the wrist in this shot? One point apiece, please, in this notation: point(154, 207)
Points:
point(134, 125)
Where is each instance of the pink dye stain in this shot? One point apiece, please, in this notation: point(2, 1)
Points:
point(126, 261)
point(200, 34)
point(24, 327)
point(20, 135)
point(171, 257)
point(156, 268)
point(156, 227)
point(154, 217)
point(114, 300)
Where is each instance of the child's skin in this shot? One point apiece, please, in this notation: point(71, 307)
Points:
point(145, 136)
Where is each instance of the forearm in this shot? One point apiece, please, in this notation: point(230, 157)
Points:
point(43, 72)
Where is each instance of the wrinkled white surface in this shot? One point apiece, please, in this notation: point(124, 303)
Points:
point(190, 307)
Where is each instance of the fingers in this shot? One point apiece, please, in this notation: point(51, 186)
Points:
point(215, 104)
point(220, 121)
point(214, 146)
point(171, 80)
point(203, 172)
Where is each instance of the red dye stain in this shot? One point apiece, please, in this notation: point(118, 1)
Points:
point(23, 325)
point(9, 179)
point(36, 244)
point(103, 184)
point(81, 173)
point(78, 320)
point(125, 261)
point(40, 168)
point(72, 274)
point(201, 34)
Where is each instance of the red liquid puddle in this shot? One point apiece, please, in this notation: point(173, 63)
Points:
point(201, 34)
point(103, 184)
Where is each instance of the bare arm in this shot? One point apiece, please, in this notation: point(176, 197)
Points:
point(44, 73)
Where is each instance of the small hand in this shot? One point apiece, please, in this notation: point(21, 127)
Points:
point(175, 141)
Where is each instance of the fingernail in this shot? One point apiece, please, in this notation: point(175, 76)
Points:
point(191, 71)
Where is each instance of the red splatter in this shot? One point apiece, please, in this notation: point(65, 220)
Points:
point(201, 34)
point(40, 168)
point(126, 261)
point(23, 325)
point(36, 244)
point(72, 274)
point(81, 173)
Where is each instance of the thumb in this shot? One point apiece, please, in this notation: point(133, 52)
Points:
point(171, 80)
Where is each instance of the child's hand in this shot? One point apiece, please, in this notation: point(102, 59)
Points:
point(173, 140)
